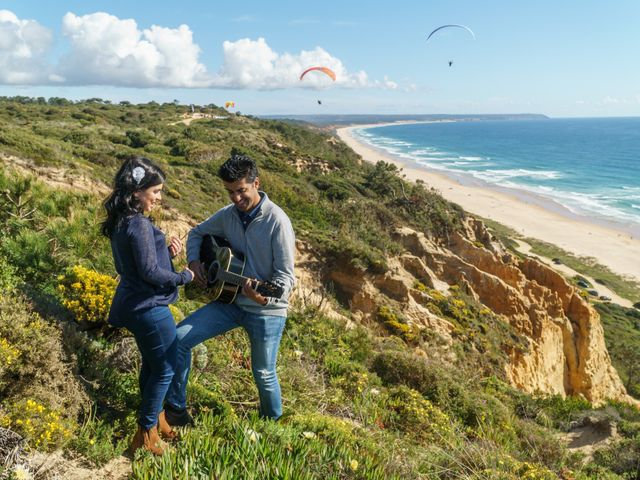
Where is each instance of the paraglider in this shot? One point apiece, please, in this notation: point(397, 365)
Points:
point(229, 104)
point(447, 26)
point(450, 62)
point(327, 71)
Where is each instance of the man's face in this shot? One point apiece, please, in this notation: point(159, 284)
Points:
point(244, 195)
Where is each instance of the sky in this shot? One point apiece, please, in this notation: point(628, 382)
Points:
point(559, 58)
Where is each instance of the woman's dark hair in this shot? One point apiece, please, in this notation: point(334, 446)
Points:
point(135, 174)
point(238, 167)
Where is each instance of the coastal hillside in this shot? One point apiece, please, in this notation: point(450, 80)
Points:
point(420, 344)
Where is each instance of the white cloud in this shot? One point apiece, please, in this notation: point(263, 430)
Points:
point(244, 18)
point(253, 64)
point(106, 50)
point(304, 21)
point(344, 23)
point(23, 46)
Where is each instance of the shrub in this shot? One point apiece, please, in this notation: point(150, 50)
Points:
point(42, 427)
point(396, 324)
point(8, 275)
point(621, 456)
point(9, 353)
point(35, 364)
point(435, 382)
point(87, 294)
point(410, 412)
point(138, 138)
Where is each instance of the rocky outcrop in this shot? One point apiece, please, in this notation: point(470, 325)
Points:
point(567, 353)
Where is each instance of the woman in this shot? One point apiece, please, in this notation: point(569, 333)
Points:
point(148, 284)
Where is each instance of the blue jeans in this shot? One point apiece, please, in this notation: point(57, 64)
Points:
point(155, 332)
point(264, 331)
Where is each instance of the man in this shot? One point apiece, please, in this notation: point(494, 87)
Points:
point(259, 229)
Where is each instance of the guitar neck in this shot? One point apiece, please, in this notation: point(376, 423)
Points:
point(231, 277)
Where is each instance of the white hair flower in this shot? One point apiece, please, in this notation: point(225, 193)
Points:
point(138, 174)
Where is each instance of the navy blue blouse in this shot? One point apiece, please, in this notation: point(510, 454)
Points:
point(147, 277)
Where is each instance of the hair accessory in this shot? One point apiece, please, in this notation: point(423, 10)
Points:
point(138, 174)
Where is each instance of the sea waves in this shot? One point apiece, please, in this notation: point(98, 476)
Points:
point(595, 186)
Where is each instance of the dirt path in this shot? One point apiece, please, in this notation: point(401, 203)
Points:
point(589, 437)
point(197, 116)
point(56, 466)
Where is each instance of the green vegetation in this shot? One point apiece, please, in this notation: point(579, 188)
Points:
point(622, 334)
point(347, 210)
point(387, 400)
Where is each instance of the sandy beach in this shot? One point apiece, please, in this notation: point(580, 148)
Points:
point(617, 250)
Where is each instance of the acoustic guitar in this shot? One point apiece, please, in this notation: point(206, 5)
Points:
point(224, 270)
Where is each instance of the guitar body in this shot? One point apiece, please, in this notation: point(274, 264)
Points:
point(227, 260)
point(225, 274)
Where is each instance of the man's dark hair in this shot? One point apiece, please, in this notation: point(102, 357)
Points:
point(238, 167)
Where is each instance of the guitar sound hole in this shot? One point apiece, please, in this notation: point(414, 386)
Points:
point(213, 273)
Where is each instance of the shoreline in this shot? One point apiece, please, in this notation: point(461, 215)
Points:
point(615, 249)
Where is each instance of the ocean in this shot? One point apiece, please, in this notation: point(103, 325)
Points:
point(587, 168)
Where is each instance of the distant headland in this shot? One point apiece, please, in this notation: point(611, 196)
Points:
point(358, 119)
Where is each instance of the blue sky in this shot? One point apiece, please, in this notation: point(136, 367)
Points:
point(571, 58)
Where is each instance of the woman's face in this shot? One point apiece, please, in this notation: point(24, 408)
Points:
point(149, 197)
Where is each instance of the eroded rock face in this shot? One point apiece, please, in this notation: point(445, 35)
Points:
point(567, 353)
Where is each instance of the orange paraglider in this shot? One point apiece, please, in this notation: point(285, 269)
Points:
point(229, 104)
point(324, 70)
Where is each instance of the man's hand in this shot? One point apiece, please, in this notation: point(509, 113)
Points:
point(175, 246)
point(198, 270)
point(249, 292)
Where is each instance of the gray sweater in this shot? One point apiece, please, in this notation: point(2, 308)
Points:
point(268, 245)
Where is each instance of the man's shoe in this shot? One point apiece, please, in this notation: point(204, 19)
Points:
point(177, 417)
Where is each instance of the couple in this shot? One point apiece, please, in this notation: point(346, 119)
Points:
point(255, 227)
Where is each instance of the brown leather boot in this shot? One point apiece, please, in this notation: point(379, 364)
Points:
point(165, 430)
point(147, 439)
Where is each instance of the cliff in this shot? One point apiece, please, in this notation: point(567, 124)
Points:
point(565, 351)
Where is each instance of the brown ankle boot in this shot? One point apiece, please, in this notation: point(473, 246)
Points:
point(147, 439)
point(165, 430)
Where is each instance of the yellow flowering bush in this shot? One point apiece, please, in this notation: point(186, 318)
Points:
point(410, 412)
point(396, 324)
point(87, 293)
point(354, 383)
point(8, 355)
point(42, 427)
point(418, 285)
point(509, 468)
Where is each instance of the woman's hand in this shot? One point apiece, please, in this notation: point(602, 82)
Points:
point(175, 246)
point(193, 275)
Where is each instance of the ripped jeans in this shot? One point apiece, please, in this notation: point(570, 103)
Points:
point(264, 331)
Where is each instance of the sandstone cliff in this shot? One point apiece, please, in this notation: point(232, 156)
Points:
point(566, 351)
